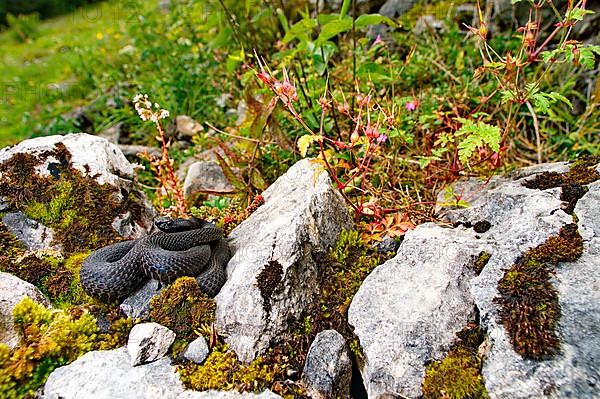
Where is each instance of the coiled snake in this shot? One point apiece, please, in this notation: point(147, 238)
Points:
point(182, 247)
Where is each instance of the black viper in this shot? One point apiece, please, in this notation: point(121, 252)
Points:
point(182, 247)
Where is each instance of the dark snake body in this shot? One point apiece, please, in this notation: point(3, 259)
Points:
point(183, 247)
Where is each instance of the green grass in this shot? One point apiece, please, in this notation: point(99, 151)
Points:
point(31, 71)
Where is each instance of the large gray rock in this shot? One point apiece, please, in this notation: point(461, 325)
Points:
point(407, 311)
point(575, 372)
point(272, 275)
point(148, 342)
point(109, 375)
point(328, 368)
point(92, 156)
point(102, 157)
point(12, 291)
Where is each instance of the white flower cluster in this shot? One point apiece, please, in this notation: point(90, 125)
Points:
point(143, 106)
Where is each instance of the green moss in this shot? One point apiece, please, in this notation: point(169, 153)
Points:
point(117, 334)
point(482, 259)
point(458, 375)
point(530, 310)
point(221, 370)
point(51, 338)
point(567, 246)
point(183, 308)
point(80, 210)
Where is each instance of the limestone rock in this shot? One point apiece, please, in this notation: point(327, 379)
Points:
point(12, 291)
point(32, 234)
point(197, 351)
point(97, 158)
point(109, 375)
point(102, 157)
point(328, 368)
point(149, 342)
point(575, 371)
point(407, 311)
point(272, 275)
point(137, 305)
point(206, 177)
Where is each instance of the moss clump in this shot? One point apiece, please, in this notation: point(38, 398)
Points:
point(267, 281)
point(479, 263)
point(458, 375)
point(80, 210)
point(117, 334)
point(482, 227)
point(567, 246)
point(183, 308)
point(221, 370)
point(582, 172)
point(51, 339)
point(530, 310)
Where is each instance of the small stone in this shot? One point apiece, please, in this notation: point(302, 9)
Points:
point(187, 127)
point(328, 368)
point(137, 305)
point(206, 177)
point(149, 342)
point(12, 291)
point(197, 351)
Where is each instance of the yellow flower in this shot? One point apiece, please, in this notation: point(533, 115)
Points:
point(99, 36)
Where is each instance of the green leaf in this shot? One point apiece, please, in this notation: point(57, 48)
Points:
point(300, 29)
point(577, 14)
point(476, 136)
point(305, 142)
point(332, 29)
point(374, 19)
point(229, 174)
point(586, 55)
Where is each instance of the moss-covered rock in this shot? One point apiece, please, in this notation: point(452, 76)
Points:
point(66, 198)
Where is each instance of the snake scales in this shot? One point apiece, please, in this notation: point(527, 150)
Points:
point(182, 247)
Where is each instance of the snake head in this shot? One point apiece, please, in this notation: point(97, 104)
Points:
point(173, 225)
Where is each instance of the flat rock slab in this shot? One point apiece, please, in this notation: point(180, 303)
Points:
point(109, 375)
point(272, 275)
